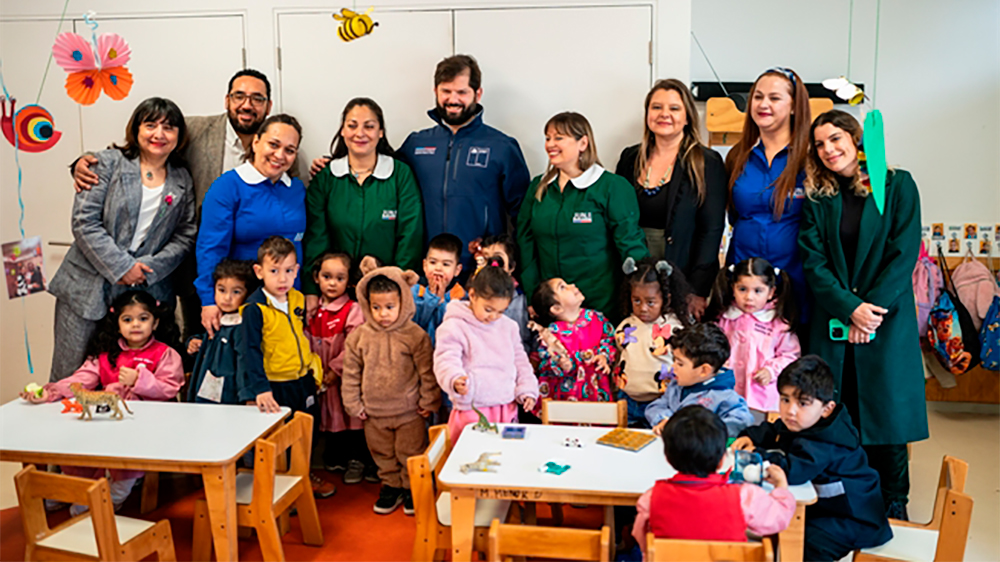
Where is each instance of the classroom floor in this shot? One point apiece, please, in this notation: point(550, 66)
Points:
point(969, 432)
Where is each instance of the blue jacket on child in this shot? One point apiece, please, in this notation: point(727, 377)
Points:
point(829, 454)
point(716, 394)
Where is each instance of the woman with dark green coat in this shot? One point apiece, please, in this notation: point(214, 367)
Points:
point(578, 221)
point(858, 264)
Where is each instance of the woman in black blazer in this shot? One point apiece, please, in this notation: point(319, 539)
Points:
point(681, 186)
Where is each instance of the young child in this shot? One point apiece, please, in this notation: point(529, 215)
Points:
point(388, 380)
point(577, 346)
point(500, 250)
point(655, 296)
point(816, 441)
point(479, 360)
point(130, 354)
point(214, 378)
point(345, 449)
point(278, 369)
point(441, 266)
point(699, 353)
point(757, 313)
point(698, 503)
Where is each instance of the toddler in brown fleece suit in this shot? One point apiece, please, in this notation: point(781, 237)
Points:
point(388, 380)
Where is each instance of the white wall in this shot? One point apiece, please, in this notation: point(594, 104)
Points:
point(937, 85)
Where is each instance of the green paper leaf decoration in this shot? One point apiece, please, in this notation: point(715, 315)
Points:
point(874, 142)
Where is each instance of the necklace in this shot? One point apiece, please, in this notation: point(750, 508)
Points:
point(357, 173)
point(654, 189)
point(149, 174)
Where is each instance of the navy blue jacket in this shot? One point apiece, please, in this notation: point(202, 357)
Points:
point(829, 454)
point(220, 355)
point(471, 181)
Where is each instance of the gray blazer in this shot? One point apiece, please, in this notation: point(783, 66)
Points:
point(205, 151)
point(104, 221)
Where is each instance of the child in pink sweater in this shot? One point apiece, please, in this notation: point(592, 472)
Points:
point(479, 360)
point(754, 305)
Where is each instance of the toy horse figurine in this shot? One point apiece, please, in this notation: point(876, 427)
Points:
point(483, 464)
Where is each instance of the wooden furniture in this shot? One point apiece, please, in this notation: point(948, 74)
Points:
point(591, 413)
point(432, 502)
point(586, 482)
point(97, 534)
point(204, 439)
point(944, 538)
point(263, 493)
point(548, 543)
point(674, 550)
point(725, 123)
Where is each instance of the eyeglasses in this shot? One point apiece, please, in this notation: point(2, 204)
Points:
point(239, 97)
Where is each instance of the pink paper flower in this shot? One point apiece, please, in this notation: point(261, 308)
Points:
point(169, 199)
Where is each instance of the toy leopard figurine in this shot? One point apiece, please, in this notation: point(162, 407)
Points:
point(88, 398)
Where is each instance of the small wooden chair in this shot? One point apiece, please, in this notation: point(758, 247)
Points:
point(944, 538)
point(98, 534)
point(432, 504)
point(676, 550)
point(580, 413)
point(773, 417)
point(264, 493)
point(548, 543)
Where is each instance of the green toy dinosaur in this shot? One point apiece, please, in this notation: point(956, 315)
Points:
point(483, 424)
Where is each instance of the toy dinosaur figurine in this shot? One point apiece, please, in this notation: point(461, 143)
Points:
point(483, 464)
point(483, 424)
point(97, 398)
point(552, 343)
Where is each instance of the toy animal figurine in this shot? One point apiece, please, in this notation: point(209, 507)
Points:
point(483, 464)
point(71, 407)
point(552, 343)
point(483, 424)
point(88, 398)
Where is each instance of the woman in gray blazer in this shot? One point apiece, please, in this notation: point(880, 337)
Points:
point(131, 230)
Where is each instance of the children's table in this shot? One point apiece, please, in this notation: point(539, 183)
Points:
point(204, 439)
point(599, 475)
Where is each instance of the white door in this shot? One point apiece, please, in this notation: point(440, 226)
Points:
point(170, 59)
point(537, 62)
point(394, 65)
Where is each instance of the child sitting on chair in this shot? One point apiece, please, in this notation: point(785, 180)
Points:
point(815, 441)
point(698, 503)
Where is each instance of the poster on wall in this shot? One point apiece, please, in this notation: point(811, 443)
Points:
point(22, 265)
point(954, 239)
point(985, 239)
point(937, 231)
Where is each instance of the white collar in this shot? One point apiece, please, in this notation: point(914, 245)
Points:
point(273, 299)
point(231, 319)
point(384, 165)
point(250, 175)
point(733, 312)
point(587, 178)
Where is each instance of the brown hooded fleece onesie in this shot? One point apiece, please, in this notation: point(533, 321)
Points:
point(388, 374)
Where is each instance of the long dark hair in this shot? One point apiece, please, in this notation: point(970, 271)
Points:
point(107, 334)
point(674, 288)
point(689, 154)
point(151, 111)
point(722, 291)
point(339, 148)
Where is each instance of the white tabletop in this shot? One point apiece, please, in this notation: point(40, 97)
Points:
point(183, 432)
point(593, 468)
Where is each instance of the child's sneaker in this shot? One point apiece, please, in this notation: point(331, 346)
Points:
point(389, 499)
point(371, 474)
point(334, 466)
point(321, 488)
point(408, 502)
point(355, 472)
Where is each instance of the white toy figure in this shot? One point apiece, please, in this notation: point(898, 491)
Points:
point(572, 442)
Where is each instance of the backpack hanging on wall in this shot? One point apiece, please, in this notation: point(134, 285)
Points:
point(927, 284)
point(976, 287)
point(951, 333)
point(989, 336)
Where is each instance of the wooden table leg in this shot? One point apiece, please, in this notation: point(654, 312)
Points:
point(220, 494)
point(791, 541)
point(609, 520)
point(463, 513)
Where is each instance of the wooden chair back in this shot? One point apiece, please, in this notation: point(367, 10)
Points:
point(591, 413)
point(295, 435)
point(423, 470)
point(548, 543)
point(724, 121)
point(954, 531)
point(952, 478)
point(675, 550)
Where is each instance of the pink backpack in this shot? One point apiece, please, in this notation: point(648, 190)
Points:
point(976, 288)
point(927, 284)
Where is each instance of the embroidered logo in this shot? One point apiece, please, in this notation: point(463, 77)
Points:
point(582, 218)
point(799, 193)
point(424, 150)
point(762, 329)
point(389, 215)
point(479, 157)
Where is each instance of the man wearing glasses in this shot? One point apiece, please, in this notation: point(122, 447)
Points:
point(216, 144)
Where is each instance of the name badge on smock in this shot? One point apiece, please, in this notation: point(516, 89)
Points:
point(582, 218)
point(298, 236)
point(389, 215)
point(211, 387)
point(799, 193)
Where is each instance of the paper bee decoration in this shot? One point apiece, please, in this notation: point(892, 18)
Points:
point(845, 90)
point(354, 25)
point(36, 132)
point(95, 66)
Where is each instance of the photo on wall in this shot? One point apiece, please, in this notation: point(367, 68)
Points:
point(23, 267)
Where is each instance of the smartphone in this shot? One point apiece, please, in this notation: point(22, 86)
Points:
point(838, 331)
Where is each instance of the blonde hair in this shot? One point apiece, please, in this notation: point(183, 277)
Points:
point(575, 125)
point(821, 181)
point(689, 154)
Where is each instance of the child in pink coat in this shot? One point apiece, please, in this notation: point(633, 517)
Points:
point(478, 357)
point(124, 357)
point(757, 311)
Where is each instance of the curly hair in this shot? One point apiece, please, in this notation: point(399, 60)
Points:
point(674, 288)
point(107, 334)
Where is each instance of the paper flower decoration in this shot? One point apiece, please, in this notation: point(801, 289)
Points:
point(92, 71)
point(33, 124)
